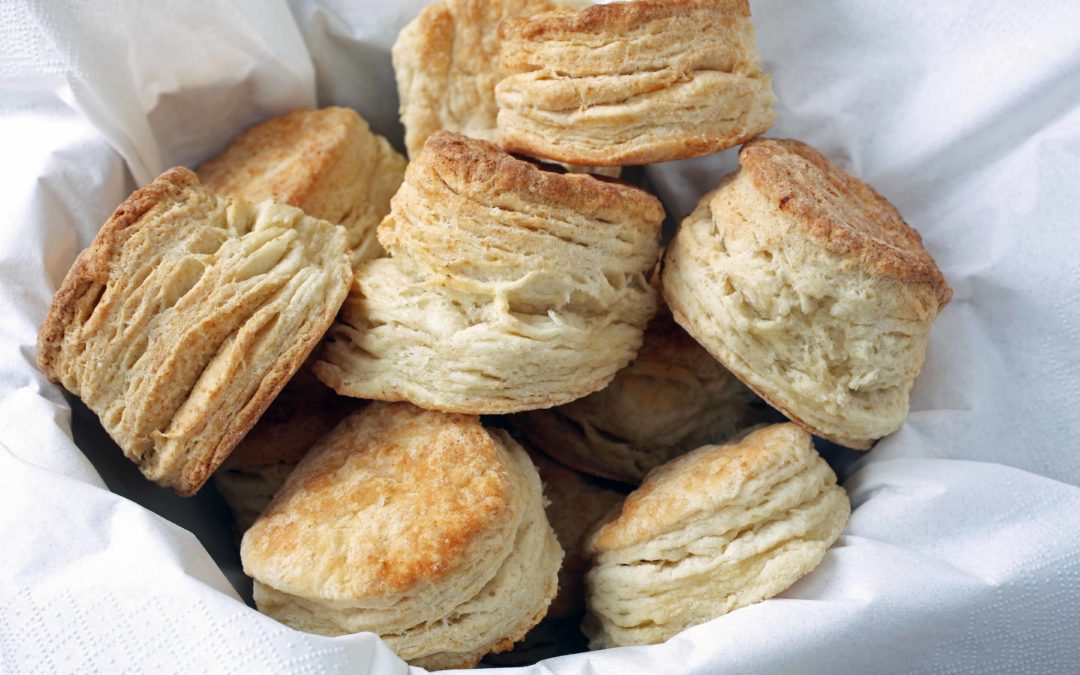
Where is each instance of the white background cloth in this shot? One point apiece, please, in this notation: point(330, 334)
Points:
point(963, 551)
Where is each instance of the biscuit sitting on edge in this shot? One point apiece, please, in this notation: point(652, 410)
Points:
point(508, 288)
point(719, 528)
point(672, 398)
point(326, 162)
point(632, 82)
point(186, 316)
point(810, 287)
point(422, 527)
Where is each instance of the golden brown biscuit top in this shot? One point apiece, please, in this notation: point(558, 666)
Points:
point(615, 17)
point(699, 482)
point(393, 497)
point(848, 216)
point(485, 173)
point(282, 158)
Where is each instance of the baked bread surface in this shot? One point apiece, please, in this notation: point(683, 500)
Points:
point(302, 413)
point(811, 288)
point(326, 162)
point(508, 287)
point(446, 62)
point(186, 316)
point(719, 528)
point(425, 528)
point(672, 398)
point(632, 82)
point(575, 505)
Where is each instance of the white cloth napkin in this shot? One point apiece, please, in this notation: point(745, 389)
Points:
point(963, 551)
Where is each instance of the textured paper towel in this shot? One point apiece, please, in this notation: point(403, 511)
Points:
point(962, 554)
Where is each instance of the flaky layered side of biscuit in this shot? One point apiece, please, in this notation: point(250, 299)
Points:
point(186, 316)
point(422, 527)
point(719, 528)
point(326, 162)
point(810, 287)
point(446, 62)
point(672, 398)
point(508, 287)
point(632, 82)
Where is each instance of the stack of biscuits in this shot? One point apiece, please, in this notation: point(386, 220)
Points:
point(320, 325)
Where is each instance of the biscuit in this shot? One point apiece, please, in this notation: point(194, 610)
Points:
point(303, 412)
point(508, 287)
point(575, 505)
point(719, 528)
point(672, 398)
point(186, 316)
point(326, 162)
point(810, 287)
point(632, 82)
point(446, 62)
point(422, 527)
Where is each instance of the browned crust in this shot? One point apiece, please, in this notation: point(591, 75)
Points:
point(312, 140)
point(660, 151)
point(459, 451)
point(489, 169)
point(613, 17)
point(879, 241)
point(91, 271)
point(855, 444)
point(272, 384)
point(91, 267)
point(710, 469)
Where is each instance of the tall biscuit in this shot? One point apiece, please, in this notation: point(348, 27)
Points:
point(326, 162)
point(508, 287)
point(186, 316)
point(632, 82)
point(425, 528)
point(719, 528)
point(811, 288)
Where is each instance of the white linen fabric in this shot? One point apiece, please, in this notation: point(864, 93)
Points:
point(962, 554)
